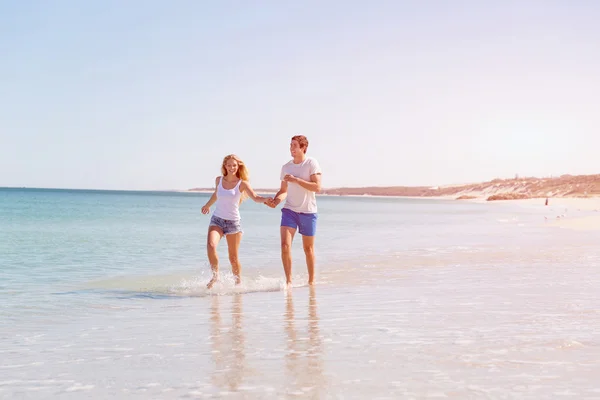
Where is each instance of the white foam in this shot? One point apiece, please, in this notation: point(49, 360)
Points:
point(79, 387)
point(33, 364)
point(226, 285)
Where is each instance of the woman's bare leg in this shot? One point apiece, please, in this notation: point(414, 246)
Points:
point(233, 244)
point(214, 236)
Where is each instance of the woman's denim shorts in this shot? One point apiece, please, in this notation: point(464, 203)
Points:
point(228, 226)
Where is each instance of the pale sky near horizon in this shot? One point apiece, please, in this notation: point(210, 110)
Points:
point(153, 94)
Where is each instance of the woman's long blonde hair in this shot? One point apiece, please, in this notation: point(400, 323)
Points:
point(242, 172)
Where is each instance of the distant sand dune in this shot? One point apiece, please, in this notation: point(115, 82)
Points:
point(497, 189)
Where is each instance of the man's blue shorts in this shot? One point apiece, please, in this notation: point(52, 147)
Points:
point(305, 223)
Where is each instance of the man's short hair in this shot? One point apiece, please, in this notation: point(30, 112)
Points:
point(302, 141)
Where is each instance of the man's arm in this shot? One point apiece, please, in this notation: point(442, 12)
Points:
point(280, 196)
point(314, 185)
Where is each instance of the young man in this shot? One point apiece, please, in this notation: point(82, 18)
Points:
point(300, 181)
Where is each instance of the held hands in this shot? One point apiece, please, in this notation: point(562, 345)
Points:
point(272, 202)
point(205, 210)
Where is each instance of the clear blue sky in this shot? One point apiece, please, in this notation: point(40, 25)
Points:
point(152, 94)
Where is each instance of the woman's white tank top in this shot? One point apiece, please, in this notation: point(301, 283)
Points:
point(228, 202)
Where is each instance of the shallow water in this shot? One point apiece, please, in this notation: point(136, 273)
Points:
point(102, 296)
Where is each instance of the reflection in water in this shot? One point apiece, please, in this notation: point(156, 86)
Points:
point(228, 345)
point(304, 364)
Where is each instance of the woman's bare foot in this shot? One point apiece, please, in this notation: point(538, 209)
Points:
point(214, 280)
point(238, 281)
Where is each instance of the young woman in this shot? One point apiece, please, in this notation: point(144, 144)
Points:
point(230, 190)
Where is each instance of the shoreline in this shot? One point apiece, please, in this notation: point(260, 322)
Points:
point(475, 198)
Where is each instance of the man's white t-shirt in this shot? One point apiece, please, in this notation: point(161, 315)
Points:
point(298, 198)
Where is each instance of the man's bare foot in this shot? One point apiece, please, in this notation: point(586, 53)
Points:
point(212, 282)
point(238, 281)
point(310, 283)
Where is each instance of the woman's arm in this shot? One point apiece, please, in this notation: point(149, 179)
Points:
point(213, 198)
point(245, 187)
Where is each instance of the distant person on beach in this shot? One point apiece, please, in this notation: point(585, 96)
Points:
point(300, 181)
point(231, 188)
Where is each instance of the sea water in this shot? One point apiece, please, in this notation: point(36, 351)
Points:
point(102, 295)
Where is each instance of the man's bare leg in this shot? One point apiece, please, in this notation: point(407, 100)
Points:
point(214, 236)
point(233, 245)
point(287, 236)
point(308, 242)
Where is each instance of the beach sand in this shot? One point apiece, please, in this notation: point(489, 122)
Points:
point(590, 223)
point(574, 203)
point(582, 214)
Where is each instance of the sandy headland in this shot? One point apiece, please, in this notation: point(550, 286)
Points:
point(565, 186)
point(580, 186)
